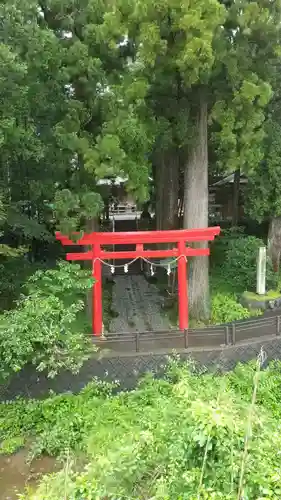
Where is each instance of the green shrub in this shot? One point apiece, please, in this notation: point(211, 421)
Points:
point(226, 309)
point(221, 244)
point(170, 440)
point(67, 281)
point(14, 274)
point(268, 394)
point(58, 423)
point(239, 266)
point(45, 328)
point(41, 330)
point(11, 445)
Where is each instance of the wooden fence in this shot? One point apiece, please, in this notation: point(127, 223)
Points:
point(213, 336)
point(127, 357)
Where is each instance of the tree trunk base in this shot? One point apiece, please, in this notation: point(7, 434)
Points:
point(196, 212)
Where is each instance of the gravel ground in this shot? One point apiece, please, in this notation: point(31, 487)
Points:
point(138, 304)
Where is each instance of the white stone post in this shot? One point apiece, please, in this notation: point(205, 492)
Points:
point(261, 271)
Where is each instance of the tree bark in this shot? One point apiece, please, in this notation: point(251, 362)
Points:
point(236, 193)
point(196, 210)
point(167, 189)
point(171, 191)
point(274, 242)
point(160, 170)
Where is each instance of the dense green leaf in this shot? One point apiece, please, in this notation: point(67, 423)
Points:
point(46, 328)
point(178, 437)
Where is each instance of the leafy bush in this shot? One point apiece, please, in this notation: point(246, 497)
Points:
point(14, 274)
point(268, 394)
point(221, 243)
point(58, 423)
point(225, 309)
point(41, 331)
point(233, 271)
point(239, 266)
point(45, 329)
point(182, 437)
point(11, 445)
point(68, 282)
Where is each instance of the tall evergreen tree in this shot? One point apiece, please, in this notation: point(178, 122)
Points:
point(202, 61)
point(102, 88)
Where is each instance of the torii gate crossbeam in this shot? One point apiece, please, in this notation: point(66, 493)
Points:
point(180, 251)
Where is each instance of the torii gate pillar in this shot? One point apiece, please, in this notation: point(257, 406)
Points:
point(180, 252)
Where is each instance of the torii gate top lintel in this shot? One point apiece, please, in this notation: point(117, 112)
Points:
point(139, 238)
point(131, 237)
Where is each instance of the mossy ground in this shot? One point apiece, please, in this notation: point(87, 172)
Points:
point(270, 295)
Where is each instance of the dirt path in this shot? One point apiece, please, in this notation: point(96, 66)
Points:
point(16, 474)
point(138, 304)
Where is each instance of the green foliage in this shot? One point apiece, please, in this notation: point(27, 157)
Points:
point(26, 227)
point(91, 89)
point(263, 193)
point(67, 282)
point(270, 295)
point(179, 437)
point(45, 328)
point(40, 330)
point(269, 385)
point(11, 445)
point(221, 244)
point(241, 263)
point(7, 250)
point(233, 267)
point(240, 139)
point(226, 308)
point(94, 89)
point(14, 274)
point(73, 210)
point(235, 263)
point(233, 270)
point(57, 424)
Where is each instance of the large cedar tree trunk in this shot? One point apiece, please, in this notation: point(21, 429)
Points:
point(159, 178)
point(196, 211)
point(274, 242)
point(167, 189)
point(236, 193)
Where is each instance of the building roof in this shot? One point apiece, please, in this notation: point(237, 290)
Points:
point(117, 181)
point(229, 179)
point(108, 182)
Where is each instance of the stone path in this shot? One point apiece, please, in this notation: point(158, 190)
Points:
point(138, 304)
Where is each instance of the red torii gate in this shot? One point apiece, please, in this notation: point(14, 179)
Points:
point(139, 238)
